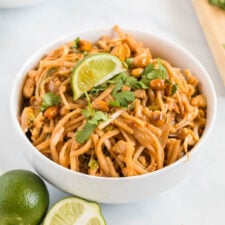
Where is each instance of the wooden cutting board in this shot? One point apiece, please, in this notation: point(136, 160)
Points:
point(212, 21)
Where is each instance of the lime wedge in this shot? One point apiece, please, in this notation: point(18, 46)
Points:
point(74, 211)
point(94, 70)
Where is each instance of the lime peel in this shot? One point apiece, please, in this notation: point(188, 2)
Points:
point(24, 197)
point(94, 70)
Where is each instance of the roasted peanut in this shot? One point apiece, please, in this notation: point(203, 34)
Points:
point(158, 84)
point(199, 101)
point(143, 58)
point(51, 112)
point(157, 118)
point(127, 50)
point(136, 72)
point(132, 43)
point(126, 88)
point(28, 88)
point(85, 45)
point(101, 105)
point(122, 51)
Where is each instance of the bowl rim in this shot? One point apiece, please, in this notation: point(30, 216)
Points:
point(36, 56)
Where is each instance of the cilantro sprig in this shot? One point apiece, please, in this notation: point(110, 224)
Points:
point(93, 117)
point(82, 135)
point(151, 73)
point(122, 99)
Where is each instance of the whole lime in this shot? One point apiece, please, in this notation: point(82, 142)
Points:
point(24, 198)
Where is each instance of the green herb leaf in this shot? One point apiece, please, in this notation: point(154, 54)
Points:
point(123, 98)
point(151, 73)
point(118, 86)
point(76, 43)
point(134, 83)
point(129, 62)
point(121, 76)
point(49, 99)
point(160, 72)
point(98, 116)
point(93, 118)
point(219, 3)
point(160, 65)
point(82, 135)
point(86, 113)
point(144, 82)
point(97, 89)
point(148, 68)
point(114, 104)
point(93, 164)
point(155, 74)
point(174, 89)
point(115, 80)
point(125, 79)
point(90, 109)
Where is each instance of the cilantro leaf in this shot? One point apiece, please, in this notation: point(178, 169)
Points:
point(49, 99)
point(160, 65)
point(220, 3)
point(98, 116)
point(134, 83)
point(156, 73)
point(118, 86)
point(76, 43)
point(82, 135)
point(93, 118)
point(123, 98)
point(114, 104)
point(126, 79)
point(86, 113)
point(148, 69)
point(97, 89)
point(151, 73)
point(174, 88)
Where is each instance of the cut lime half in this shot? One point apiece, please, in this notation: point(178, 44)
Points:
point(74, 211)
point(94, 70)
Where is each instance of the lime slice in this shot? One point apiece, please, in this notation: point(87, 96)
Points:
point(74, 211)
point(94, 70)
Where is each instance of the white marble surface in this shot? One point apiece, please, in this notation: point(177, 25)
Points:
point(199, 199)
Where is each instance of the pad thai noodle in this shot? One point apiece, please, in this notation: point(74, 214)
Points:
point(139, 121)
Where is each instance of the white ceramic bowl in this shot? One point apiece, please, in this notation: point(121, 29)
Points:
point(126, 189)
